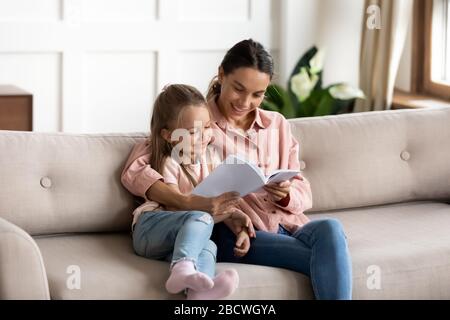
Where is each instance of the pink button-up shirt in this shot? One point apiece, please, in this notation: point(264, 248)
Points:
point(268, 143)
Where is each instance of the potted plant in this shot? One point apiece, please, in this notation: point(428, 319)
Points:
point(305, 97)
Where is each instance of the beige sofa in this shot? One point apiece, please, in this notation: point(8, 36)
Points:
point(65, 217)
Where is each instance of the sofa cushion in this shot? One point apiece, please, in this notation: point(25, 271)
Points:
point(55, 182)
point(408, 244)
point(371, 158)
point(109, 269)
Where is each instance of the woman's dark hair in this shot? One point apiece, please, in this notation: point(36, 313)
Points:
point(247, 54)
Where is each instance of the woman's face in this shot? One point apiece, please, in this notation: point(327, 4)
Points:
point(242, 91)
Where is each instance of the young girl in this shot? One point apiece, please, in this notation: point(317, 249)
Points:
point(181, 118)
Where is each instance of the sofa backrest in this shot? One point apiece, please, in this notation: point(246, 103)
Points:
point(56, 183)
point(374, 158)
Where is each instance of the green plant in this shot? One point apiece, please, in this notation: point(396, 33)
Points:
point(304, 96)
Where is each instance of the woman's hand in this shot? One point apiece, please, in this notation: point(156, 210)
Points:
point(278, 191)
point(242, 244)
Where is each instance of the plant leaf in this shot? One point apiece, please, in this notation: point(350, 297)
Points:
point(277, 99)
point(304, 109)
point(304, 61)
point(325, 106)
point(269, 105)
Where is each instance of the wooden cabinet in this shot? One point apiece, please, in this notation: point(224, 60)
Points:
point(16, 109)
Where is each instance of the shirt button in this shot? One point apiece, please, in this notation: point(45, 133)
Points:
point(265, 199)
point(273, 211)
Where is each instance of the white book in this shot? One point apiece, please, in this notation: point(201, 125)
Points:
point(236, 174)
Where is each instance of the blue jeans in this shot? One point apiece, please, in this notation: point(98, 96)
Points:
point(318, 250)
point(176, 235)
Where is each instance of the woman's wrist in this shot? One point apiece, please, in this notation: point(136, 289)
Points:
point(284, 202)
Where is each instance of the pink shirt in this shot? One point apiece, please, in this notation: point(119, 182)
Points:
point(173, 174)
point(268, 143)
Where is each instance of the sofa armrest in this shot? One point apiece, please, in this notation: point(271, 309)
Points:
point(22, 270)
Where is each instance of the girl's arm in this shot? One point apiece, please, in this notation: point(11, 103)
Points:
point(166, 195)
point(141, 180)
point(232, 216)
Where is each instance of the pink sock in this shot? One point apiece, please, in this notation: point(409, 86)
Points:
point(184, 276)
point(224, 285)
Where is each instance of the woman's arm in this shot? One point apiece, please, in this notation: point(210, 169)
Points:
point(299, 197)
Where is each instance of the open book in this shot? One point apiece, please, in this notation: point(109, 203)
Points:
point(236, 174)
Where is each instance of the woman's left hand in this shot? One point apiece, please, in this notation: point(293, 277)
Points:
point(278, 191)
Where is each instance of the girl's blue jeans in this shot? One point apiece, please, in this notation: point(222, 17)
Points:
point(318, 249)
point(176, 235)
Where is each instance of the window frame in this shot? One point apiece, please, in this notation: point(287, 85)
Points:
point(421, 81)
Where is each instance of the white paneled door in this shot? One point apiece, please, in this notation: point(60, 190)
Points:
point(97, 65)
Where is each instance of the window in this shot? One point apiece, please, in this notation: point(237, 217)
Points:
point(431, 48)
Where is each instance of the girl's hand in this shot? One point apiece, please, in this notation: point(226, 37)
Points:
point(242, 222)
point(213, 205)
point(278, 191)
point(242, 244)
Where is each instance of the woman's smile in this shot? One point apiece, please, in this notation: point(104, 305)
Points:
point(239, 111)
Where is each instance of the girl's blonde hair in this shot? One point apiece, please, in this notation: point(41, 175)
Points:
point(167, 109)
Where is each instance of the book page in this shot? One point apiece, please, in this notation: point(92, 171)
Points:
point(282, 175)
point(231, 175)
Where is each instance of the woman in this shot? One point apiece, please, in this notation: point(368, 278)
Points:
point(285, 237)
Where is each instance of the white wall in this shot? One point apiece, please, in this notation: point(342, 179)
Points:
point(334, 25)
point(97, 65)
point(403, 80)
point(298, 23)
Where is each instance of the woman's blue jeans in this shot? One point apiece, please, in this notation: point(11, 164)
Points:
point(175, 236)
point(318, 249)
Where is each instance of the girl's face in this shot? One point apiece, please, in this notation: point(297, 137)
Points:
point(242, 91)
point(195, 125)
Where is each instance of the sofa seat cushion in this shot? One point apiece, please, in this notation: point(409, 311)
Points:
point(109, 269)
point(407, 244)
